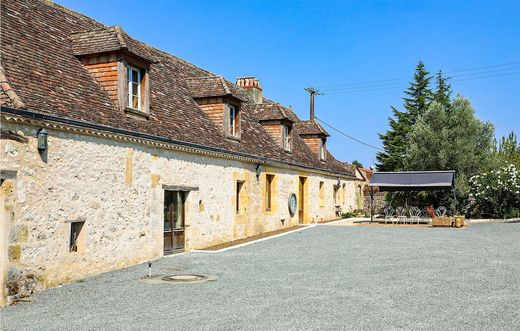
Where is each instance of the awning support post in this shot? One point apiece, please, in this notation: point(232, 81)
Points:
point(454, 203)
point(371, 204)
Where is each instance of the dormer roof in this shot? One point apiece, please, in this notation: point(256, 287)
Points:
point(109, 39)
point(273, 111)
point(310, 128)
point(210, 87)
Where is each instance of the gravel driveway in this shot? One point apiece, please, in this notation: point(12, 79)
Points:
point(327, 278)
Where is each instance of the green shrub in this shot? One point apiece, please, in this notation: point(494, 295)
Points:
point(497, 193)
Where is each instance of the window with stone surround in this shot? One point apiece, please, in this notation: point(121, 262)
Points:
point(269, 180)
point(77, 237)
point(321, 194)
point(239, 189)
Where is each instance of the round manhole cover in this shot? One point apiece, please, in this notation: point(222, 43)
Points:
point(177, 279)
point(185, 278)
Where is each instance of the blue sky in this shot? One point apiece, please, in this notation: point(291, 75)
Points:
point(290, 45)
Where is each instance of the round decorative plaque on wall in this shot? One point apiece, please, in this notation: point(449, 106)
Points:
point(293, 203)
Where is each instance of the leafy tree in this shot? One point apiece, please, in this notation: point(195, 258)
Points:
point(451, 138)
point(357, 164)
point(508, 150)
point(395, 143)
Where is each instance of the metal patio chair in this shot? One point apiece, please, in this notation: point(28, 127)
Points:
point(401, 214)
point(440, 212)
point(425, 216)
point(389, 214)
point(415, 214)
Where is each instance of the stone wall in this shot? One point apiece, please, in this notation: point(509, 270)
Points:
point(379, 201)
point(116, 189)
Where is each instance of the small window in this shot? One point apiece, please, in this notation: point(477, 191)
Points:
point(321, 197)
point(134, 88)
point(287, 138)
point(322, 149)
point(233, 121)
point(240, 184)
point(76, 243)
point(269, 191)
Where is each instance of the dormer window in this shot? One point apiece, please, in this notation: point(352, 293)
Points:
point(287, 138)
point(322, 149)
point(234, 122)
point(120, 65)
point(134, 88)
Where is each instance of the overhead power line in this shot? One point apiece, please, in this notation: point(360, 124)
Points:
point(400, 85)
point(389, 82)
point(349, 136)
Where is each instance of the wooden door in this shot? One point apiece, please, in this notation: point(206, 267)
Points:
point(301, 199)
point(174, 221)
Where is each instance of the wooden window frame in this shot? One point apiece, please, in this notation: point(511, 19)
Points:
point(287, 138)
point(130, 70)
point(124, 66)
point(322, 145)
point(232, 124)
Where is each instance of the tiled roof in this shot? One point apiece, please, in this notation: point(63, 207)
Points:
point(40, 63)
point(108, 40)
point(269, 110)
point(310, 128)
point(211, 86)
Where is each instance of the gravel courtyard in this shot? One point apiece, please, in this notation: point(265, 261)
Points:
point(327, 277)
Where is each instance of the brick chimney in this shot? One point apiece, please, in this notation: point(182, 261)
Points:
point(252, 86)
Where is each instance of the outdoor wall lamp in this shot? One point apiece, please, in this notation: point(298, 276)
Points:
point(42, 140)
point(258, 171)
point(338, 182)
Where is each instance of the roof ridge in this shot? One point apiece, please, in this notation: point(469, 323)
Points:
point(226, 88)
point(119, 36)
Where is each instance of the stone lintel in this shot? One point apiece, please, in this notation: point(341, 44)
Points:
point(180, 188)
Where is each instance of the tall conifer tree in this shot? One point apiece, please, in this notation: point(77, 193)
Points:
point(442, 92)
point(395, 144)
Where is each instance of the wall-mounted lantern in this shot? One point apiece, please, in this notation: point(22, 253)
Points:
point(338, 182)
point(42, 140)
point(258, 171)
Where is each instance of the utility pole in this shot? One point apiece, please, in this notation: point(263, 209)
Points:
point(312, 91)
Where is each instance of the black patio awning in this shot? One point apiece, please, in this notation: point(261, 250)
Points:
point(414, 180)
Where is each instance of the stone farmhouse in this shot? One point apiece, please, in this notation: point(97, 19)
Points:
point(115, 153)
